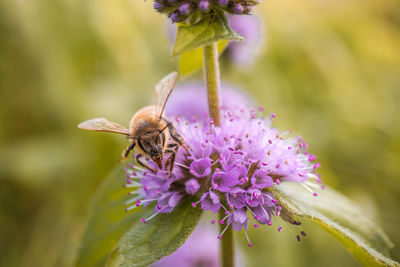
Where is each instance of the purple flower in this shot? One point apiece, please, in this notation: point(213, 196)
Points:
point(237, 8)
point(184, 9)
point(187, 8)
point(204, 5)
point(239, 219)
point(210, 201)
point(200, 168)
point(260, 179)
point(233, 167)
point(158, 6)
point(174, 16)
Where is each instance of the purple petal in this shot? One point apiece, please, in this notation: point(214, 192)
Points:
point(239, 215)
point(210, 201)
point(237, 8)
point(238, 220)
point(184, 8)
point(224, 180)
point(235, 198)
point(204, 5)
point(174, 200)
point(200, 168)
point(254, 197)
point(261, 179)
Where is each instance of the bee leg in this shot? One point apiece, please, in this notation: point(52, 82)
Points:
point(125, 153)
point(138, 160)
point(173, 149)
point(174, 134)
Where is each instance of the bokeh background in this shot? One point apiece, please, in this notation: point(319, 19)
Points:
point(329, 69)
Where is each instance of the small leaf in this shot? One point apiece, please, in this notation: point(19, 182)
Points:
point(207, 30)
point(108, 221)
point(192, 60)
point(341, 218)
point(159, 237)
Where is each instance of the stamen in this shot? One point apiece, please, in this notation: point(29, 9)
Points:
point(265, 212)
point(273, 200)
point(132, 184)
point(151, 217)
point(220, 236)
point(285, 133)
point(223, 220)
point(278, 210)
point(130, 201)
point(130, 208)
point(311, 184)
point(247, 237)
point(182, 165)
point(194, 204)
point(309, 189)
point(312, 176)
point(147, 200)
point(255, 216)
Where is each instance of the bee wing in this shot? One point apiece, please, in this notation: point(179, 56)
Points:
point(163, 90)
point(103, 125)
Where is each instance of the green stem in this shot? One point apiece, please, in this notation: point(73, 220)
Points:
point(226, 247)
point(211, 70)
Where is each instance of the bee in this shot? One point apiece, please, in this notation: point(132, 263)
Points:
point(148, 129)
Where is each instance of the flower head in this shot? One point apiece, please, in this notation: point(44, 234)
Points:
point(232, 167)
point(185, 10)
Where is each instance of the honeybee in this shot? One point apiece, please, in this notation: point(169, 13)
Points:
point(148, 129)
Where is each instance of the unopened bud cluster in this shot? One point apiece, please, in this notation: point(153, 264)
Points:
point(184, 10)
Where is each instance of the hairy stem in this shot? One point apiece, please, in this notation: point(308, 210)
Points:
point(226, 246)
point(211, 71)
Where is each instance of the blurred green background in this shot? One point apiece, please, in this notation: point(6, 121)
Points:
point(329, 69)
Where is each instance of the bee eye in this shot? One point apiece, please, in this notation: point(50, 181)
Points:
point(161, 139)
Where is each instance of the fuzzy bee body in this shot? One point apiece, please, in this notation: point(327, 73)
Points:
point(148, 130)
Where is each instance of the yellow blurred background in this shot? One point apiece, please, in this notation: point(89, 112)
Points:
point(329, 69)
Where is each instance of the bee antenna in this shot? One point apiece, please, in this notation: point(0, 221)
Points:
point(160, 131)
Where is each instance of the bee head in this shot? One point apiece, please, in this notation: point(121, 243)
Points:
point(153, 146)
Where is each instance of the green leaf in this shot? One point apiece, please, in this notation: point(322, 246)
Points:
point(114, 237)
point(192, 60)
point(146, 243)
point(107, 221)
point(340, 217)
point(207, 30)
